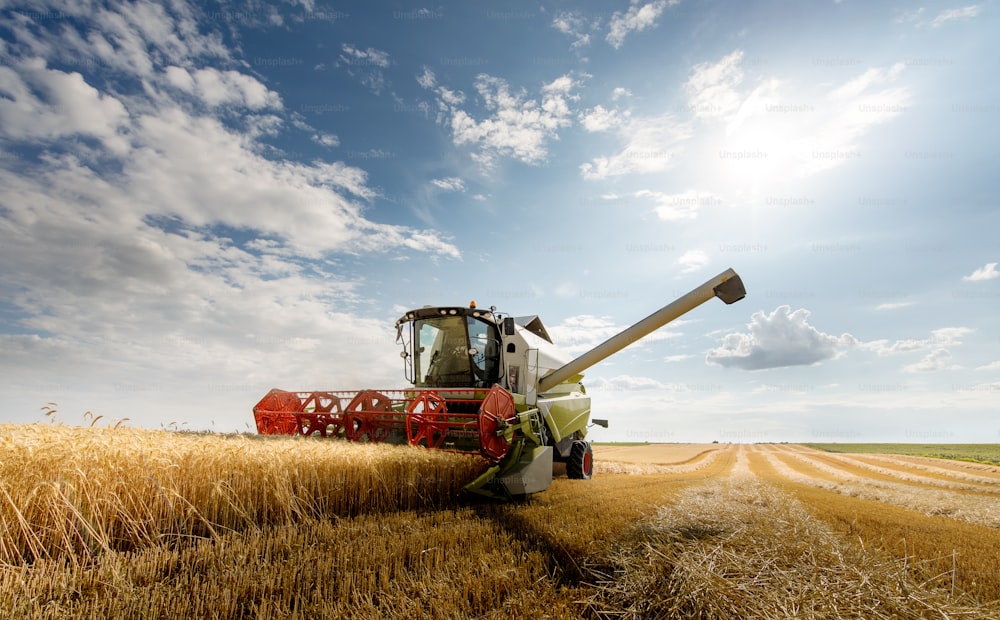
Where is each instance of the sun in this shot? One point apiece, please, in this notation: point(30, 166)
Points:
point(765, 143)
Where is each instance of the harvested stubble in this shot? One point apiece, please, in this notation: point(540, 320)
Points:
point(631, 460)
point(742, 549)
point(71, 493)
point(978, 507)
point(964, 554)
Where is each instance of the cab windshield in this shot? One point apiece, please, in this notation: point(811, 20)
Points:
point(455, 351)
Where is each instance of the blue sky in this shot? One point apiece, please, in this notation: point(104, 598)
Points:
point(199, 202)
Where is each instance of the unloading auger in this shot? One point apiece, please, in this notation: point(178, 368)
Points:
point(483, 383)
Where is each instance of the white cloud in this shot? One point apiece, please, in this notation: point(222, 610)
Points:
point(365, 65)
point(670, 359)
point(986, 272)
point(966, 12)
point(652, 144)
point(991, 366)
point(599, 118)
point(233, 88)
point(575, 25)
point(679, 207)
point(949, 336)
point(132, 38)
point(935, 360)
point(894, 305)
point(179, 78)
point(943, 337)
point(326, 139)
point(371, 57)
point(625, 383)
point(517, 126)
point(620, 93)
point(449, 184)
point(692, 260)
point(197, 265)
point(711, 89)
point(216, 88)
point(38, 103)
point(782, 338)
point(639, 17)
point(938, 356)
point(427, 79)
point(851, 111)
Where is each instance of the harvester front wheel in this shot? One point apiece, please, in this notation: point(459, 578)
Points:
point(580, 465)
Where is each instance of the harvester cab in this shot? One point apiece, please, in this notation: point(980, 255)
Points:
point(483, 383)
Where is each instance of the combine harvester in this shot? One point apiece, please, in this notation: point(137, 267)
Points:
point(483, 383)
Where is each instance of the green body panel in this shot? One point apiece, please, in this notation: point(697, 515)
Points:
point(566, 414)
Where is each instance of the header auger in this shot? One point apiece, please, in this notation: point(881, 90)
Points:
point(483, 383)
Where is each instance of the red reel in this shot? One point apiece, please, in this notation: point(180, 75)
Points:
point(275, 413)
point(364, 417)
point(427, 419)
point(497, 409)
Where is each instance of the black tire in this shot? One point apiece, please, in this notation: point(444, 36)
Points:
point(580, 464)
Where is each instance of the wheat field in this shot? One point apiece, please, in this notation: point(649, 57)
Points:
point(123, 523)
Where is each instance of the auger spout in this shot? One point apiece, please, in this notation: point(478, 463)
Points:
point(727, 286)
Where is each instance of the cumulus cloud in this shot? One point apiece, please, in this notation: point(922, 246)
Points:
point(600, 118)
point(781, 338)
point(164, 254)
point(516, 125)
point(217, 88)
point(935, 360)
point(986, 272)
point(637, 18)
point(326, 139)
point(38, 103)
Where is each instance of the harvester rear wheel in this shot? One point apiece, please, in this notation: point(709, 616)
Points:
point(580, 465)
